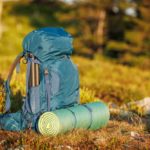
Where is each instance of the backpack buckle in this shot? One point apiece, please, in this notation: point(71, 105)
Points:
point(46, 72)
point(26, 56)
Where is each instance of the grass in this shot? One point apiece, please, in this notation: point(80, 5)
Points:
point(116, 136)
point(98, 77)
point(113, 82)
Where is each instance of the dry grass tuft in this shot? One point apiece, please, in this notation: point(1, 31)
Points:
point(117, 135)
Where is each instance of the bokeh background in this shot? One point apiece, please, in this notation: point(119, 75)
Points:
point(112, 52)
point(111, 44)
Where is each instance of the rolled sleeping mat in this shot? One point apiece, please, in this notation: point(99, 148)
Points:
point(88, 116)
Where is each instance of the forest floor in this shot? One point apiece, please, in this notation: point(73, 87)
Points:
point(121, 133)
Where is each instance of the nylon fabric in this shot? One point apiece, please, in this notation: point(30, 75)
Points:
point(74, 117)
point(48, 91)
point(90, 110)
point(48, 43)
point(8, 102)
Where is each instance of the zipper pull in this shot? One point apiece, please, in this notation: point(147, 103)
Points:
point(46, 72)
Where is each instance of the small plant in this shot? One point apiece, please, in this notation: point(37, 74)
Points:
point(2, 98)
point(87, 95)
point(138, 109)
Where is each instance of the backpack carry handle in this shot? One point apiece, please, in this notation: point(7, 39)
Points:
point(7, 82)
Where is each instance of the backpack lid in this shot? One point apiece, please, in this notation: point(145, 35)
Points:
point(48, 43)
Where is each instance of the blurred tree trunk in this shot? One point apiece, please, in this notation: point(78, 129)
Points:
point(43, 1)
point(38, 1)
point(93, 17)
point(1, 9)
point(100, 31)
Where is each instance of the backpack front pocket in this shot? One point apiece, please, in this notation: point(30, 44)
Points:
point(34, 99)
point(52, 85)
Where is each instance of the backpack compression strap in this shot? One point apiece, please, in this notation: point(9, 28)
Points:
point(7, 82)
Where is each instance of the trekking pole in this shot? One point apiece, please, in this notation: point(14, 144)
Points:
point(37, 78)
point(34, 76)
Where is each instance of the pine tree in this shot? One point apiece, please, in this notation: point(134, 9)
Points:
point(92, 18)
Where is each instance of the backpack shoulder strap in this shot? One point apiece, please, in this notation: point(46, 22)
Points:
point(7, 82)
point(13, 66)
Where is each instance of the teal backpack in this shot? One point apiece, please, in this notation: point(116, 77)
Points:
point(53, 84)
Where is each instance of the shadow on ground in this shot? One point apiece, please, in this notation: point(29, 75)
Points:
point(132, 118)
